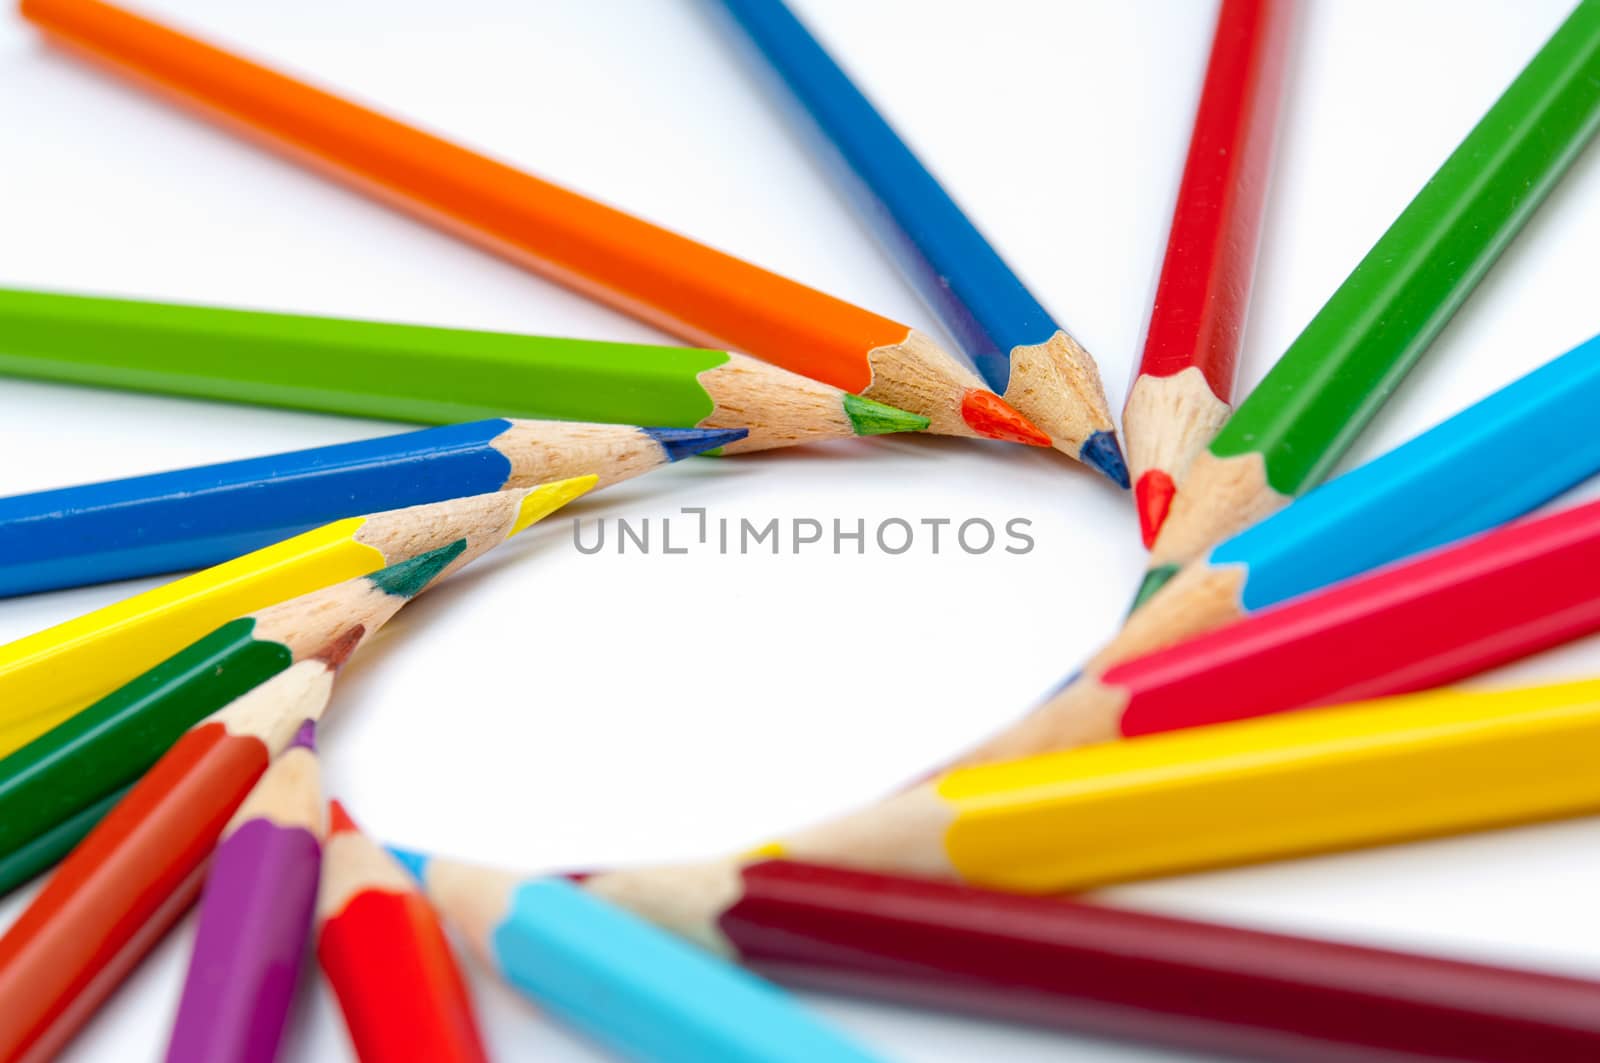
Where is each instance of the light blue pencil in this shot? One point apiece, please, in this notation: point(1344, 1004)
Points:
point(636, 990)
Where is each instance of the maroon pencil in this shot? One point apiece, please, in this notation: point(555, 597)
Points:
point(1109, 971)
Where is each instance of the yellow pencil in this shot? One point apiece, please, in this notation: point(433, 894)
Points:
point(1315, 781)
point(48, 676)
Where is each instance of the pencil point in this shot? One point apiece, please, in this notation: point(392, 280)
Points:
point(1100, 451)
point(680, 443)
point(338, 651)
point(306, 736)
point(1153, 581)
point(339, 820)
point(545, 499)
point(415, 863)
point(1152, 496)
point(406, 579)
point(870, 418)
point(991, 417)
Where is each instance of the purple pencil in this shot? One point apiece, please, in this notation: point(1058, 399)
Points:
point(255, 917)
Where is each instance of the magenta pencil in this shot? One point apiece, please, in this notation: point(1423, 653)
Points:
point(255, 918)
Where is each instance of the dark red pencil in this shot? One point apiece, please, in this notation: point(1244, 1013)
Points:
point(1185, 383)
point(1110, 971)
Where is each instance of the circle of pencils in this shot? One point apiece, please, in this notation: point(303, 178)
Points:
point(1182, 393)
point(255, 916)
point(416, 373)
point(1342, 368)
point(1089, 968)
point(668, 280)
point(1269, 697)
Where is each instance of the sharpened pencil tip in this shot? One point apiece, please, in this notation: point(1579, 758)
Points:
point(339, 820)
point(870, 418)
point(306, 736)
point(680, 443)
point(1153, 581)
point(993, 418)
point(408, 578)
point(1152, 496)
point(545, 499)
point(338, 650)
point(1100, 451)
point(415, 863)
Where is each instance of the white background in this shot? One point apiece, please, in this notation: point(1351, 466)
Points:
point(549, 709)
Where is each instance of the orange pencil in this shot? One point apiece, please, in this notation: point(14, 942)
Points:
point(687, 288)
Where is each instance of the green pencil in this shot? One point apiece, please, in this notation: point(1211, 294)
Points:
point(1285, 437)
point(420, 374)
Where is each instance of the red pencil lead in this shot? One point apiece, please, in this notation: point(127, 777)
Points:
point(1152, 496)
point(339, 820)
point(989, 415)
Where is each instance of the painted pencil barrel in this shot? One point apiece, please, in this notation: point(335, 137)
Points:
point(260, 895)
point(643, 994)
point(1306, 782)
point(1094, 969)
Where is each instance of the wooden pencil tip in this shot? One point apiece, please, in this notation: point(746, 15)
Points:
point(991, 417)
point(407, 578)
point(545, 499)
point(336, 652)
point(1152, 496)
point(339, 820)
point(1100, 451)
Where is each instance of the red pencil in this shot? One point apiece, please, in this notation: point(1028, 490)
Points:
point(1185, 383)
point(1108, 971)
point(386, 957)
point(1444, 615)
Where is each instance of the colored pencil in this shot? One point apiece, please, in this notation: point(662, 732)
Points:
point(32, 859)
point(193, 518)
point(255, 915)
point(421, 374)
point(49, 676)
point(70, 768)
point(120, 890)
point(1469, 474)
point(670, 281)
point(1184, 389)
point(1341, 369)
point(1436, 618)
point(640, 993)
point(1088, 968)
point(1019, 349)
point(386, 957)
point(1407, 767)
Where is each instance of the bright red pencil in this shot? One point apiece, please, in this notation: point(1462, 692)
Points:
point(387, 958)
point(1444, 615)
point(1185, 383)
point(1094, 969)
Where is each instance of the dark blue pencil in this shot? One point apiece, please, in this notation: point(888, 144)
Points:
point(1020, 350)
point(192, 518)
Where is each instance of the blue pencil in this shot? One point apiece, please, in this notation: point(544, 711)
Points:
point(1018, 348)
point(1496, 460)
point(618, 980)
point(192, 518)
